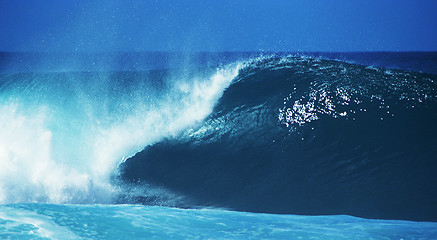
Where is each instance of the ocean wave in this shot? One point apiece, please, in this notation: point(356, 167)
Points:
point(273, 133)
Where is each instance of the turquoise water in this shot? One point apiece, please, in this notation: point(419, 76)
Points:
point(52, 221)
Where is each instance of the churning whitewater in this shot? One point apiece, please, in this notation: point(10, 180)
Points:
point(64, 133)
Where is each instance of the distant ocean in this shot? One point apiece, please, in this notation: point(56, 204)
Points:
point(244, 145)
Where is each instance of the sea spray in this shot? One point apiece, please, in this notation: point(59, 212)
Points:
point(64, 134)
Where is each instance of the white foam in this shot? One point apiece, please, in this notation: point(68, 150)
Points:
point(29, 173)
point(68, 156)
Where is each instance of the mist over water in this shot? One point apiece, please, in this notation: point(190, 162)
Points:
point(64, 133)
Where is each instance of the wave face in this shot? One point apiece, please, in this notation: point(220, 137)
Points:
point(305, 136)
point(64, 133)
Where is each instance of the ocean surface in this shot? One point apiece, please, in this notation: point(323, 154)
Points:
point(218, 145)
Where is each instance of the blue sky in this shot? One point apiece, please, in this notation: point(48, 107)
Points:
point(237, 25)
